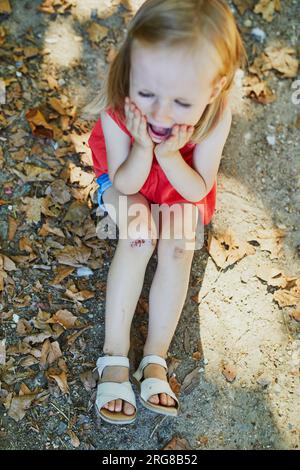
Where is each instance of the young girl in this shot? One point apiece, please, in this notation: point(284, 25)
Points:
point(164, 120)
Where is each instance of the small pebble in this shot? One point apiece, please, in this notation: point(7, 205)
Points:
point(15, 318)
point(248, 23)
point(264, 381)
point(84, 272)
point(271, 139)
point(52, 40)
point(258, 34)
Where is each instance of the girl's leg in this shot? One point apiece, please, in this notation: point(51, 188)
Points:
point(168, 291)
point(124, 285)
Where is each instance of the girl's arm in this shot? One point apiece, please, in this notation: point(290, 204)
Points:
point(207, 155)
point(132, 174)
point(195, 183)
point(128, 166)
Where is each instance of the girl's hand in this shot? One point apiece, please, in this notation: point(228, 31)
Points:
point(136, 123)
point(180, 136)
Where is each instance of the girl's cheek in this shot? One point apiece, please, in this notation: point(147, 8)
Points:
point(141, 105)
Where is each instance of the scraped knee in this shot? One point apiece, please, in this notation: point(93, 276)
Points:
point(141, 242)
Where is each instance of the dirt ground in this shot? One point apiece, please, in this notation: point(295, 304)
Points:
point(242, 344)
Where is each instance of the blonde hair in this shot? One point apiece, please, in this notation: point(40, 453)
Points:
point(175, 23)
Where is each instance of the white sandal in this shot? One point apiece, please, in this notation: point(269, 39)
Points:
point(152, 386)
point(109, 391)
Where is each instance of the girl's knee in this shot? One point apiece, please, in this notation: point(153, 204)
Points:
point(146, 243)
point(181, 249)
point(184, 250)
point(139, 244)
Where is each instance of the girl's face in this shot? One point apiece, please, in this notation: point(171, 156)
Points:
point(171, 85)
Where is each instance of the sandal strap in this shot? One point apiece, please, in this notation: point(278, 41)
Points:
point(154, 386)
point(151, 359)
point(108, 391)
point(104, 361)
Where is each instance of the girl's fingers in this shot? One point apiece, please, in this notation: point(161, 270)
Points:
point(136, 119)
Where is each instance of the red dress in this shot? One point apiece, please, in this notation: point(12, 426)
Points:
point(157, 188)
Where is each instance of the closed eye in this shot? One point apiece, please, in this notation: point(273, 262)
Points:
point(150, 95)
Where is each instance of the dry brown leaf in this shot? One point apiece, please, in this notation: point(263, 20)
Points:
point(33, 208)
point(74, 439)
point(228, 371)
point(197, 355)
point(77, 213)
point(243, 5)
point(56, 6)
point(61, 380)
point(225, 249)
point(38, 124)
point(289, 296)
point(175, 385)
point(79, 296)
point(281, 59)
point(13, 225)
point(6, 263)
point(28, 361)
point(269, 240)
point(61, 273)
point(72, 338)
point(191, 381)
point(2, 40)
point(37, 338)
point(35, 173)
point(97, 32)
point(57, 105)
point(296, 314)
point(6, 315)
point(59, 191)
point(273, 276)
point(64, 318)
point(7, 401)
point(46, 229)
point(24, 390)
point(77, 175)
point(202, 440)
point(74, 256)
point(23, 327)
point(88, 380)
point(54, 352)
point(19, 405)
point(52, 82)
point(80, 143)
point(177, 443)
point(267, 8)
point(25, 244)
point(5, 8)
point(258, 90)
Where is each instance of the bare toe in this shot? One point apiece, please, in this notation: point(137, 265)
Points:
point(171, 401)
point(118, 406)
point(128, 409)
point(163, 399)
point(154, 399)
point(111, 405)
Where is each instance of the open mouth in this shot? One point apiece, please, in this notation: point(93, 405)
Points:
point(160, 132)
